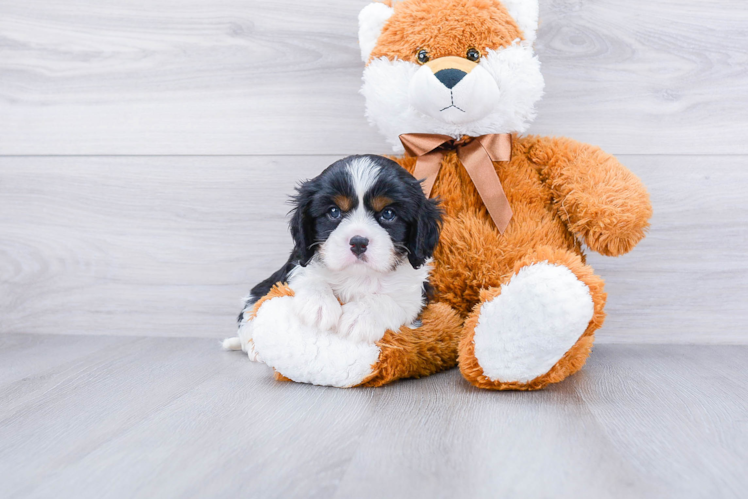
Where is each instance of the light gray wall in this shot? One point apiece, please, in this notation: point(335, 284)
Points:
point(146, 149)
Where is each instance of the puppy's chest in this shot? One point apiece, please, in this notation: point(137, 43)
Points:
point(352, 288)
point(403, 284)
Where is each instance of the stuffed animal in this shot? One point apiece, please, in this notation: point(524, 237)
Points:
point(454, 83)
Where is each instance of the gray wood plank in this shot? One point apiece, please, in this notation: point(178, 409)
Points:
point(282, 77)
point(670, 409)
point(441, 437)
point(179, 417)
point(20, 361)
point(168, 246)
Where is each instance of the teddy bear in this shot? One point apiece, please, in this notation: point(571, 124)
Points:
point(453, 84)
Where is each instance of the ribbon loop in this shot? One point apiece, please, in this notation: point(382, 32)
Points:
point(476, 155)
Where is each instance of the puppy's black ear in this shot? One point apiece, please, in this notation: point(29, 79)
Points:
point(424, 232)
point(302, 223)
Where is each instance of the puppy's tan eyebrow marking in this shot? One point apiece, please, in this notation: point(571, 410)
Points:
point(345, 203)
point(379, 203)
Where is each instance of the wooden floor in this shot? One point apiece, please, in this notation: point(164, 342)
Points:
point(84, 416)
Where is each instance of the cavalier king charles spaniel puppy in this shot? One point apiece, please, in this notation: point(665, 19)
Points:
point(363, 234)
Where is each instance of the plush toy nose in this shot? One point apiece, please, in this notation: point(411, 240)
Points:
point(358, 245)
point(450, 77)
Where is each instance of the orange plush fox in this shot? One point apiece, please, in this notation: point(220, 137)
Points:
point(465, 69)
point(454, 84)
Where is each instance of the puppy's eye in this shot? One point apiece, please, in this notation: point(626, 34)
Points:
point(334, 213)
point(423, 56)
point(387, 215)
point(473, 55)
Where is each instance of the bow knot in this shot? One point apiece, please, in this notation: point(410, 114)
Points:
point(477, 155)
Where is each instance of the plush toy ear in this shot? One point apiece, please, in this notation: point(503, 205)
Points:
point(371, 20)
point(525, 14)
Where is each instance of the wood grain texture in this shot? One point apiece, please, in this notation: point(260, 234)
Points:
point(168, 246)
point(282, 77)
point(177, 417)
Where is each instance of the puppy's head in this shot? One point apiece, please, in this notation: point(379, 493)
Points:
point(364, 213)
point(451, 67)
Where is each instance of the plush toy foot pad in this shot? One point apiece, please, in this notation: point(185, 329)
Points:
point(537, 317)
point(305, 353)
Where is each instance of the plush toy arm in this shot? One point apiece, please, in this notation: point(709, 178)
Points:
point(601, 200)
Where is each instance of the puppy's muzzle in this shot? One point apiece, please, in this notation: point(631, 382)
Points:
point(358, 245)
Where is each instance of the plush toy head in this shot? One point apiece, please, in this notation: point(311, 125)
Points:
point(451, 67)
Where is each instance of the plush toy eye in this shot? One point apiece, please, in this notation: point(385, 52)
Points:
point(388, 215)
point(334, 213)
point(423, 56)
point(473, 54)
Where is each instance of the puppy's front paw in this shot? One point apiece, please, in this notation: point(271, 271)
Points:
point(318, 309)
point(359, 323)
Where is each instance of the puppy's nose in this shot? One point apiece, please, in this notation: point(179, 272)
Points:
point(358, 245)
point(450, 77)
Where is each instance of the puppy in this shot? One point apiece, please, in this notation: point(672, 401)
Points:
point(363, 235)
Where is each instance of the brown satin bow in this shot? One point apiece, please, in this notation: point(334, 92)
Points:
point(477, 155)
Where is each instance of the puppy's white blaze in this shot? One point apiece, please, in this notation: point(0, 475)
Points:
point(364, 174)
point(517, 86)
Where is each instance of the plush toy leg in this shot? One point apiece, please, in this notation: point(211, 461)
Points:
point(537, 328)
point(303, 354)
point(418, 352)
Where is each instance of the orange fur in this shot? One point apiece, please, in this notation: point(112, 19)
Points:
point(415, 353)
point(558, 188)
point(280, 377)
point(344, 203)
point(379, 203)
point(427, 24)
point(573, 360)
point(278, 290)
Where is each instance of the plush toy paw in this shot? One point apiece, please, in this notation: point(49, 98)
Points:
point(309, 354)
point(359, 323)
point(524, 328)
point(318, 309)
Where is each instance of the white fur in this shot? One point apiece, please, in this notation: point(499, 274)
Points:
point(371, 20)
point(232, 344)
point(538, 317)
point(390, 86)
point(364, 174)
point(308, 354)
point(374, 301)
point(525, 14)
point(472, 99)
